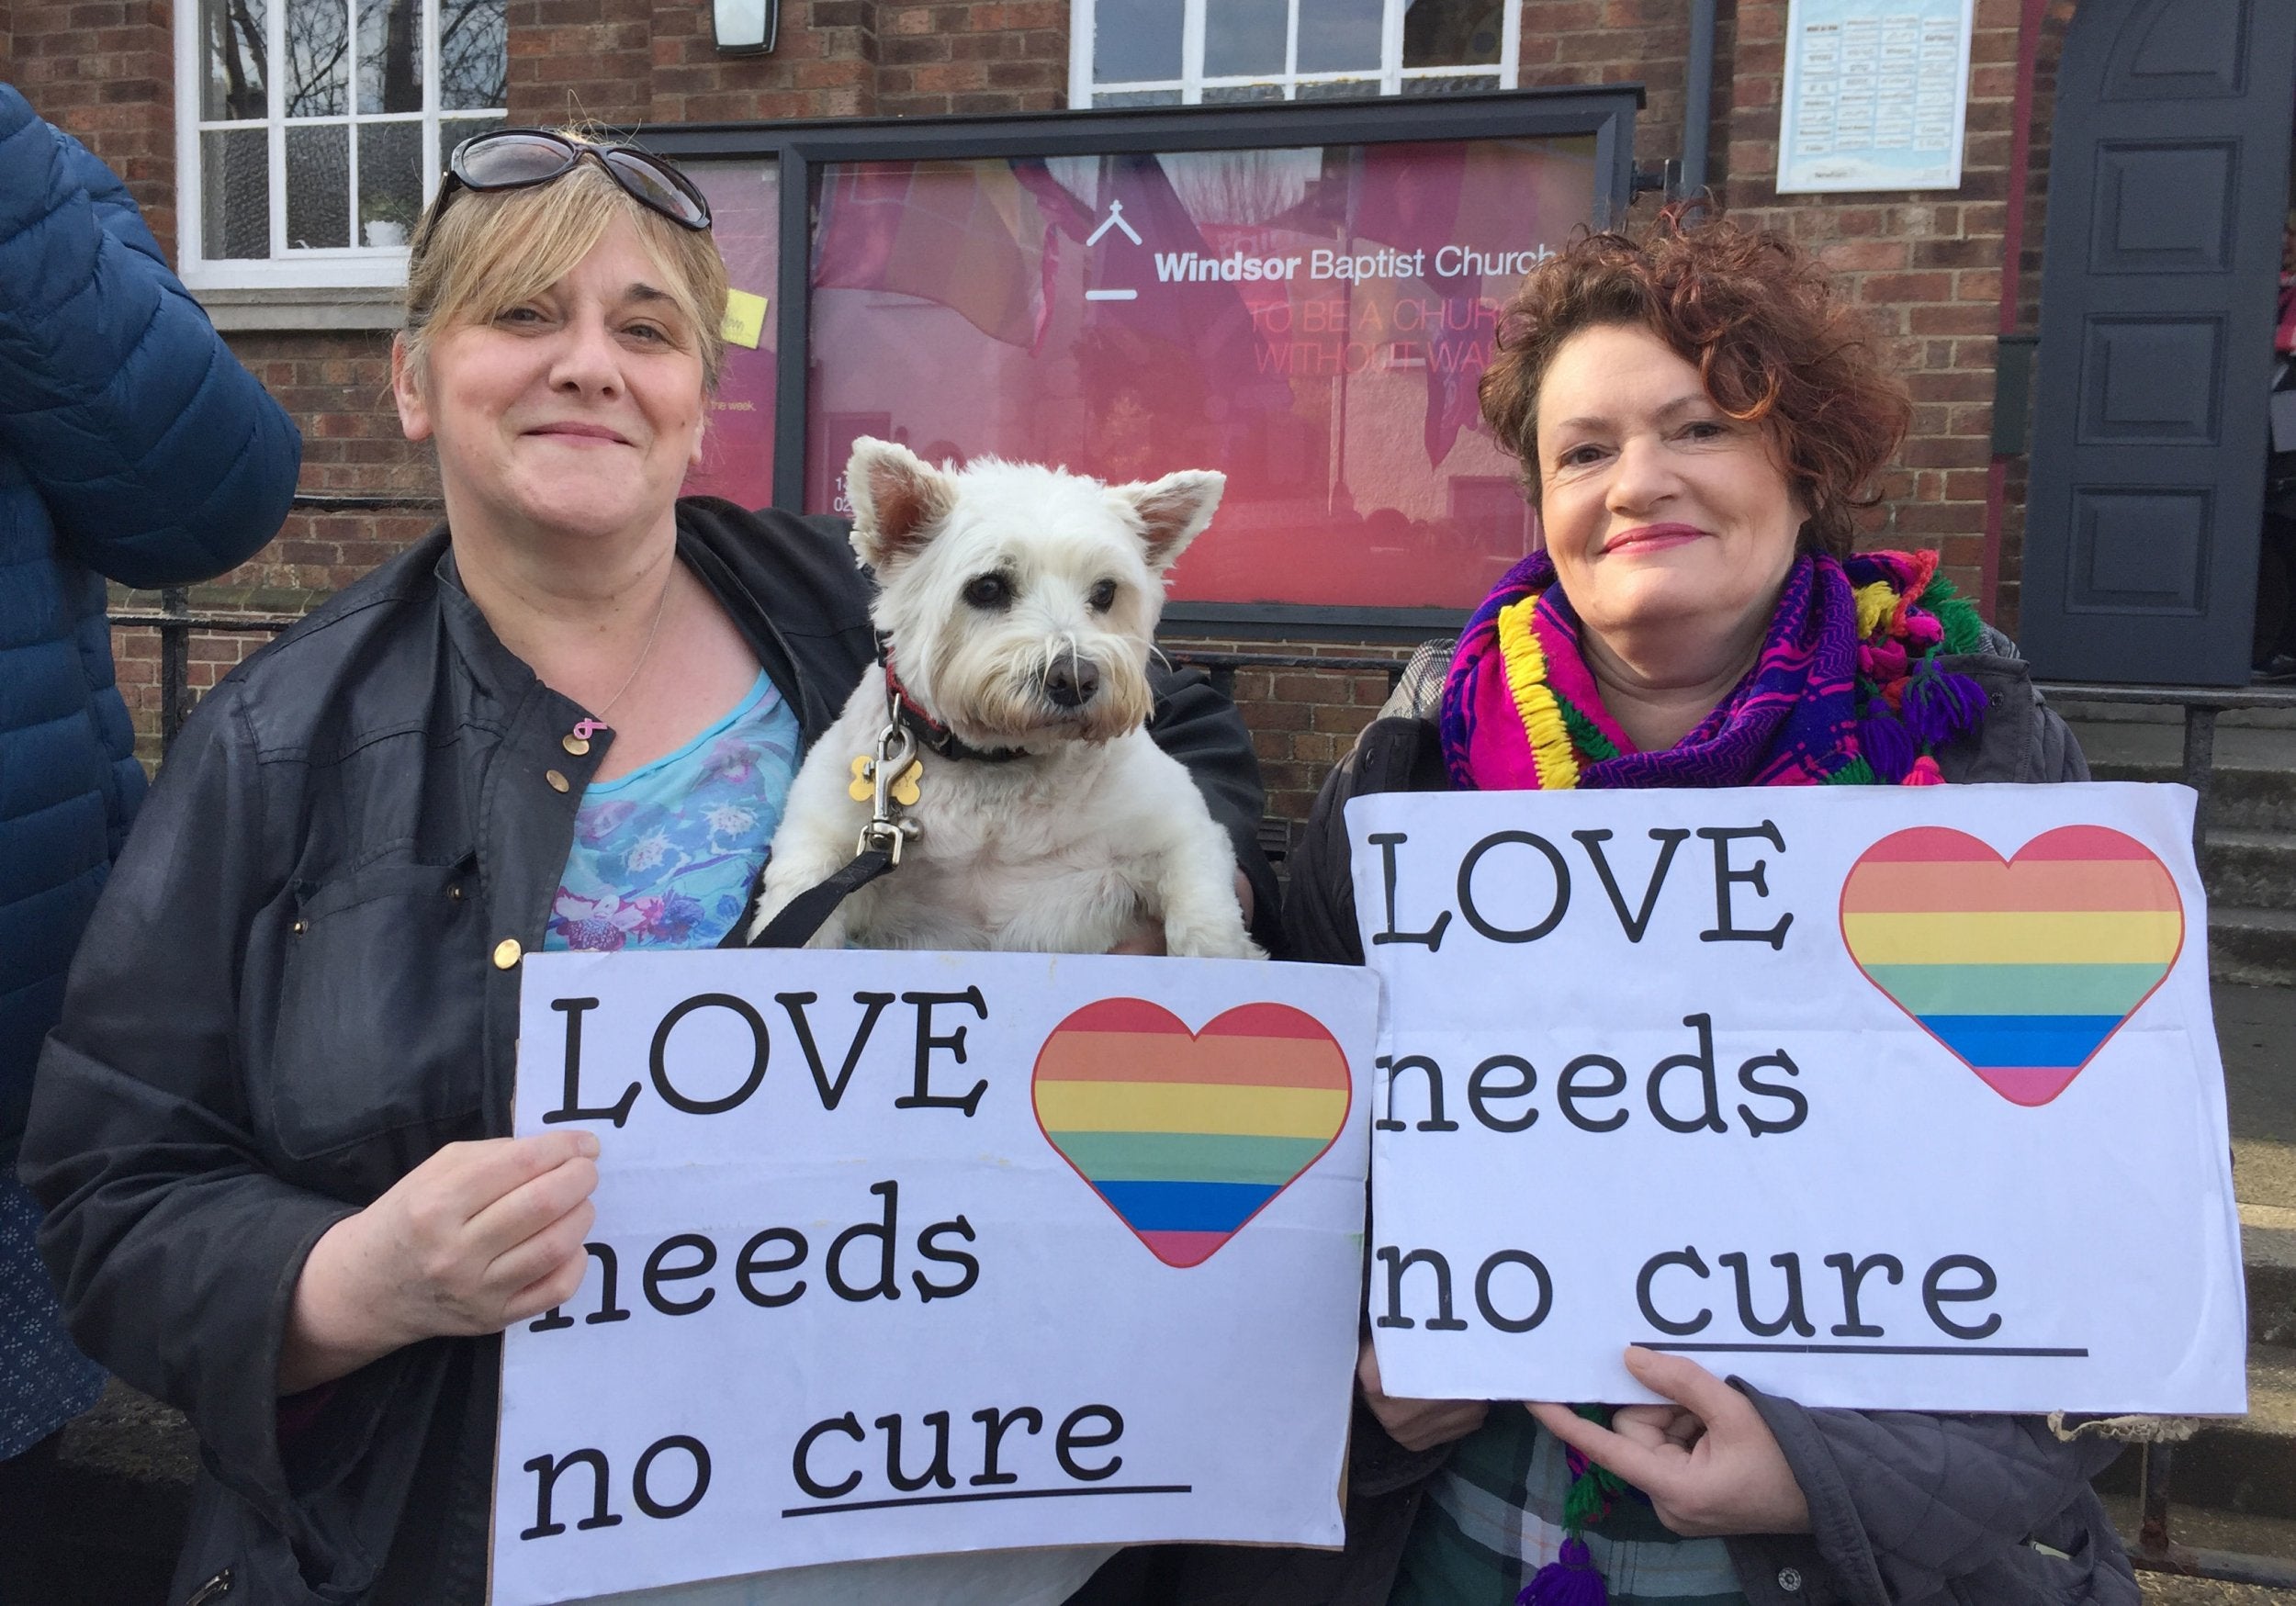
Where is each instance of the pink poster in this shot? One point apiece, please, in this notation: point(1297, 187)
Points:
point(1309, 322)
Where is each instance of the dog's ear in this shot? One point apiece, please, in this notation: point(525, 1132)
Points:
point(1173, 511)
point(898, 499)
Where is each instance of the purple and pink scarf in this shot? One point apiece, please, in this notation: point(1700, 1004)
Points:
point(1847, 689)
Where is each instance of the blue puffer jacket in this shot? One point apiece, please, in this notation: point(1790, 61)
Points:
point(132, 446)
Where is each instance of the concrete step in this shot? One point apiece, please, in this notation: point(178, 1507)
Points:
point(2241, 797)
point(2232, 1484)
point(2268, 1246)
point(2247, 1465)
point(2249, 863)
point(2253, 947)
point(119, 1497)
point(2236, 745)
point(2250, 869)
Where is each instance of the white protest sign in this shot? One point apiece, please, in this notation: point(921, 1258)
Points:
point(1885, 1097)
point(903, 1253)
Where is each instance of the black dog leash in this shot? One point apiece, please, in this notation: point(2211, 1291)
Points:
point(806, 913)
point(877, 853)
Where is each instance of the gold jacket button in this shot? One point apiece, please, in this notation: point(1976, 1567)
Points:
point(507, 954)
point(574, 745)
point(558, 782)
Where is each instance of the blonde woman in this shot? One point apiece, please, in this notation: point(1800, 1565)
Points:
point(270, 1127)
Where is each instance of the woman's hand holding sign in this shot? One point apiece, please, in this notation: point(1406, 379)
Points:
point(477, 1236)
point(1708, 1462)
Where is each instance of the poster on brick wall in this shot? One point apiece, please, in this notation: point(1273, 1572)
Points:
point(1876, 95)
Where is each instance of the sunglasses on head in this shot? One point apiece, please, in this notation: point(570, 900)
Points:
point(508, 159)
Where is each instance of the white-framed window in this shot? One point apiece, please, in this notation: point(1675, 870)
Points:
point(1213, 52)
point(309, 133)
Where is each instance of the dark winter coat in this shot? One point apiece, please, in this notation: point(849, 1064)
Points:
point(1906, 1508)
point(132, 447)
point(288, 999)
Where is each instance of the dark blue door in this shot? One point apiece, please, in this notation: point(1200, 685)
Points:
point(2167, 188)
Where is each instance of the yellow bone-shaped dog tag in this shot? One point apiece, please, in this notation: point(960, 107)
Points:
point(904, 789)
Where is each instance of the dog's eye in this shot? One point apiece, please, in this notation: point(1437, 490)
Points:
point(1103, 597)
point(989, 590)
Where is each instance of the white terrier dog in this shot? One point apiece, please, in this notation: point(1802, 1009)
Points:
point(1017, 604)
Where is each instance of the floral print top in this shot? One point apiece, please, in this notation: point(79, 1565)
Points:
point(666, 856)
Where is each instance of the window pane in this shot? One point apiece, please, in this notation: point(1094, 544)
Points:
point(745, 200)
point(1244, 36)
point(1311, 322)
point(1132, 39)
point(317, 41)
point(1339, 34)
point(473, 55)
point(1452, 33)
point(1344, 89)
point(391, 55)
point(391, 182)
point(235, 199)
point(1461, 85)
point(1230, 94)
point(318, 187)
point(232, 31)
point(1102, 99)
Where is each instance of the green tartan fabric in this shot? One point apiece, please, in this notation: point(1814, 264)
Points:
point(1493, 1516)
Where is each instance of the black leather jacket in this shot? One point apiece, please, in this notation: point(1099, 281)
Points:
point(297, 987)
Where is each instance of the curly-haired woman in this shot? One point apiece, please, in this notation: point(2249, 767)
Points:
point(1700, 418)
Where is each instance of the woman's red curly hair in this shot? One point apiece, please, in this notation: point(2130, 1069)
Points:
point(1762, 324)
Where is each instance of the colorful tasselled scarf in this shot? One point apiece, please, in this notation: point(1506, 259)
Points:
point(1847, 689)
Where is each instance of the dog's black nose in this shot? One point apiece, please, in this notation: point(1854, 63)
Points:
point(1071, 682)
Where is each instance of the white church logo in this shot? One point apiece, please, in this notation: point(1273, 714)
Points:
point(1115, 219)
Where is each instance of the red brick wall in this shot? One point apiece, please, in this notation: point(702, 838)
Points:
point(580, 61)
point(1005, 56)
point(1927, 267)
point(1302, 720)
point(105, 71)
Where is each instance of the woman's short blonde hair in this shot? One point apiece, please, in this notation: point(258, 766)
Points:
point(480, 252)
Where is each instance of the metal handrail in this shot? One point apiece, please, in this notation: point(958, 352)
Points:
point(2202, 705)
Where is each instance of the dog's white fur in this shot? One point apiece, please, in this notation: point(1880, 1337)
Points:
point(1063, 850)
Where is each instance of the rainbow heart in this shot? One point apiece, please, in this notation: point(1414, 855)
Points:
point(2022, 967)
point(1186, 1136)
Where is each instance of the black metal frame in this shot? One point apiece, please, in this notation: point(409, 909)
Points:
point(799, 148)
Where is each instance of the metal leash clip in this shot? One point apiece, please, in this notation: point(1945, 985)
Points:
point(894, 764)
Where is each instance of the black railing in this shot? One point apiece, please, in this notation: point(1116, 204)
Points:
point(176, 622)
point(2202, 705)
